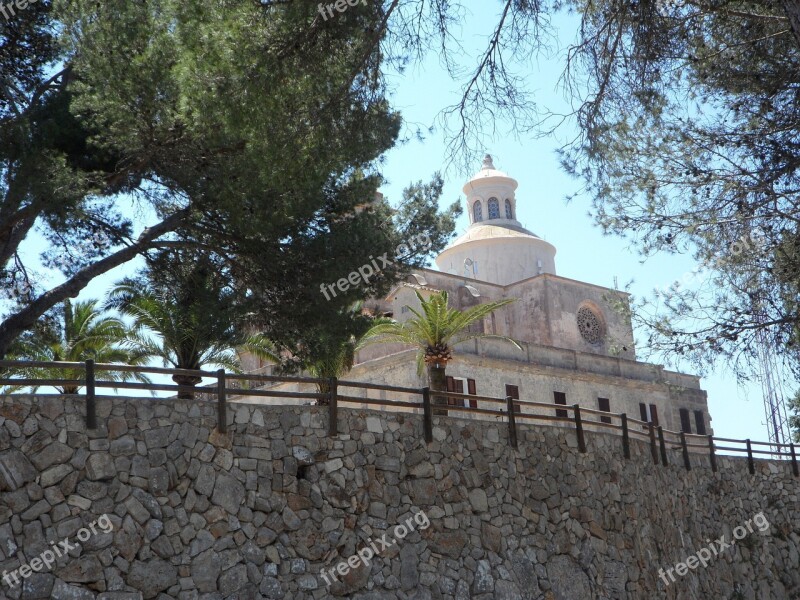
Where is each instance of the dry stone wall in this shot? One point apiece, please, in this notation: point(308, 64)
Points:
point(258, 513)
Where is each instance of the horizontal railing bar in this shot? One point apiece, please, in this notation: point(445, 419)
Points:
point(645, 435)
point(601, 424)
point(536, 417)
point(744, 451)
point(155, 370)
point(41, 382)
point(104, 367)
point(703, 446)
point(602, 413)
point(766, 444)
point(468, 409)
point(23, 364)
point(151, 387)
point(772, 452)
point(544, 405)
point(386, 388)
point(370, 401)
point(272, 393)
point(721, 439)
point(460, 396)
point(275, 378)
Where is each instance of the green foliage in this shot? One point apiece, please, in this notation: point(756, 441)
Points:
point(691, 144)
point(250, 131)
point(186, 314)
point(334, 354)
point(436, 328)
point(794, 416)
point(79, 333)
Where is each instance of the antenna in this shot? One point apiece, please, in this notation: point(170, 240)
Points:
point(774, 405)
point(468, 262)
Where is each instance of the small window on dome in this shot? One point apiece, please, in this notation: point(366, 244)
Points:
point(477, 211)
point(494, 208)
point(509, 214)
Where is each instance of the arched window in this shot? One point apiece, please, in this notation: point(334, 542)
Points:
point(477, 211)
point(509, 215)
point(494, 208)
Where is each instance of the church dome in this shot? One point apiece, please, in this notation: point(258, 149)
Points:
point(496, 247)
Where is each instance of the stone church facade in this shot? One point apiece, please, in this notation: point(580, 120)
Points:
point(577, 344)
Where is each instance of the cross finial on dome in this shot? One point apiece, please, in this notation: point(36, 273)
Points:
point(487, 162)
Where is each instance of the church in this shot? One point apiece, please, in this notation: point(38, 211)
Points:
point(577, 343)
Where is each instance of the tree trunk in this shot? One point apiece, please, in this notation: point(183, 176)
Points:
point(792, 10)
point(187, 380)
point(324, 388)
point(437, 379)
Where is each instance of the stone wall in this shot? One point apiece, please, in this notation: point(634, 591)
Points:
point(258, 513)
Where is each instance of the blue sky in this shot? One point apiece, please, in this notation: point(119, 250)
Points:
point(584, 253)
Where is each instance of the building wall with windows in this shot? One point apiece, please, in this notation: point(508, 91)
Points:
point(537, 375)
point(577, 338)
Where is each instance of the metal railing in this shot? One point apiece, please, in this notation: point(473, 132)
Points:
point(431, 403)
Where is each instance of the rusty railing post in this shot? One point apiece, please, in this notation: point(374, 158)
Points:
point(712, 453)
point(751, 466)
point(427, 415)
point(685, 448)
point(662, 446)
point(626, 442)
point(653, 450)
point(512, 422)
point(333, 407)
point(579, 428)
point(794, 461)
point(91, 401)
point(222, 403)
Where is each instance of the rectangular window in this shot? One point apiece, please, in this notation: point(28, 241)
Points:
point(686, 423)
point(471, 391)
point(648, 413)
point(513, 392)
point(560, 398)
point(457, 386)
point(604, 405)
point(700, 422)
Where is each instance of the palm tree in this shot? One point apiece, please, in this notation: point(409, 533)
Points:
point(435, 331)
point(82, 333)
point(189, 323)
